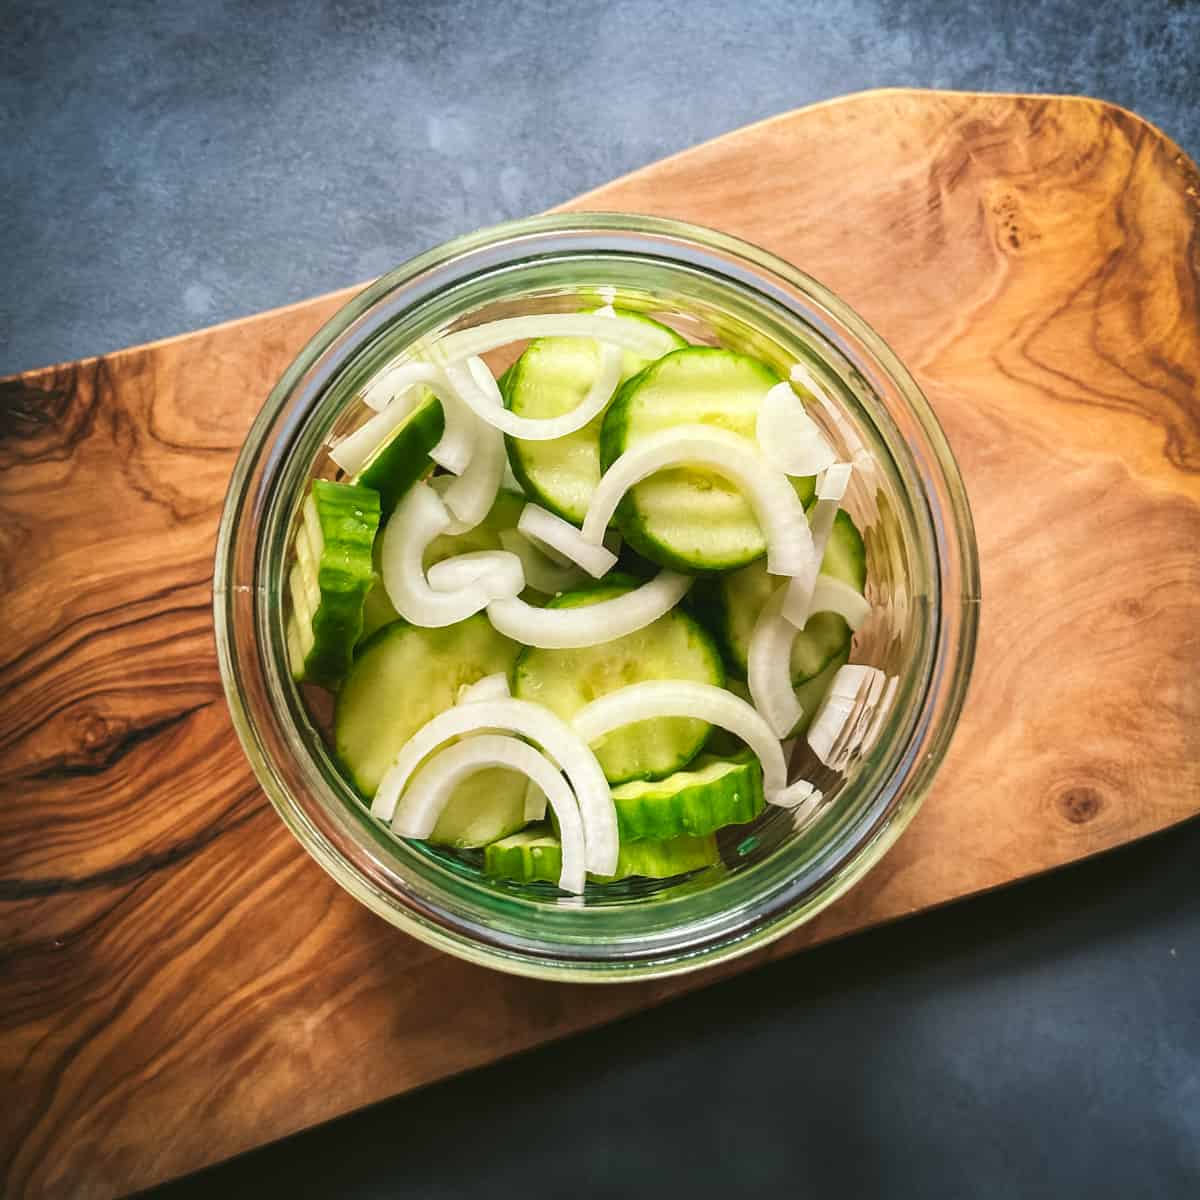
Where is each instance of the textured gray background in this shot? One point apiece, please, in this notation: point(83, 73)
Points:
point(166, 166)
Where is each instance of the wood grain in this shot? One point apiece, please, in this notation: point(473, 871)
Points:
point(179, 982)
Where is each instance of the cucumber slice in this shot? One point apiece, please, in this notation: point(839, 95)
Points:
point(673, 647)
point(403, 677)
point(534, 855)
point(712, 793)
point(689, 519)
point(504, 514)
point(330, 579)
point(733, 603)
point(404, 457)
point(550, 378)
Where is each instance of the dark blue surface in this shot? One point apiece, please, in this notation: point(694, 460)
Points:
point(166, 166)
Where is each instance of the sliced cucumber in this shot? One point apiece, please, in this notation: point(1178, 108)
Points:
point(404, 457)
point(673, 647)
point(330, 579)
point(690, 519)
point(504, 514)
point(403, 677)
point(550, 378)
point(535, 855)
point(710, 794)
point(733, 603)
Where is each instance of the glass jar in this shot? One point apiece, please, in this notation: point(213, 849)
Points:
point(906, 496)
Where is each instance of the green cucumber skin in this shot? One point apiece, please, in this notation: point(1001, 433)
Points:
point(404, 457)
point(685, 804)
point(636, 525)
point(535, 856)
point(645, 749)
point(349, 518)
point(526, 458)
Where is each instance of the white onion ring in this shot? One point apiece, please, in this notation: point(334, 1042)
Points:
point(678, 698)
point(845, 714)
point(589, 624)
point(541, 573)
point(433, 786)
point(394, 381)
point(788, 437)
point(835, 596)
point(831, 487)
point(419, 518)
point(769, 667)
point(353, 451)
point(775, 503)
point(550, 532)
point(498, 572)
point(537, 723)
point(470, 497)
point(490, 687)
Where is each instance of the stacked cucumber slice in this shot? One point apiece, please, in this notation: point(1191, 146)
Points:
point(646, 798)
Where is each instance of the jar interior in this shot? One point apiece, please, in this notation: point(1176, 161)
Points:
point(776, 859)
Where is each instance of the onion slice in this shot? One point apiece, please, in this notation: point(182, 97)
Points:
point(550, 532)
point(490, 687)
point(543, 429)
point(354, 450)
point(419, 518)
point(831, 487)
point(540, 572)
point(537, 723)
point(628, 335)
point(845, 714)
point(835, 596)
point(496, 571)
point(589, 624)
point(679, 698)
point(774, 500)
point(795, 794)
point(397, 379)
point(769, 667)
point(471, 496)
point(788, 437)
point(434, 784)
point(454, 450)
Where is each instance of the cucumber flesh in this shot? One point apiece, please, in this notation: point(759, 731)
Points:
point(733, 603)
point(329, 579)
point(402, 678)
point(504, 514)
point(684, 517)
point(535, 855)
point(673, 647)
point(712, 793)
point(404, 457)
point(551, 377)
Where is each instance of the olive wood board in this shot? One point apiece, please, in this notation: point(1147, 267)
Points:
point(180, 982)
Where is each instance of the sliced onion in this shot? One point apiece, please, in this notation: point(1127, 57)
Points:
point(453, 452)
point(775, 503)
point(419, 518)
point(795, 794)
point(540, 572)
point(353, 451)
point(804, 812)
point(679, 698)
point(471, 496)
point(769, 667)
point(535, 802)
point(537, 723)
point(589, 624)
point(835, 596)
point(788, 437)
point(550, 532)
point(496, 571)
point(831, 487)
point(628, 335)
point(845, 714)
point(434, 784)
point(394, 381)
point(490, 687)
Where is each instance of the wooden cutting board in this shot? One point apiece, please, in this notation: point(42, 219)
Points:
point(180, 982)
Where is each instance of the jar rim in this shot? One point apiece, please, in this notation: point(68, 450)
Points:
point(240, 600)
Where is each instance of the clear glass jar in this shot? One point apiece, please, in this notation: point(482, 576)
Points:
point(906, 496)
